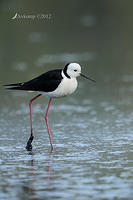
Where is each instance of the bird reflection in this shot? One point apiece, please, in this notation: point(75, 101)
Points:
point(35, 178)
point(49, 162)
point(49, 166)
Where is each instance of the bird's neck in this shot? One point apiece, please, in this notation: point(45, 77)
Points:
point(64, 73)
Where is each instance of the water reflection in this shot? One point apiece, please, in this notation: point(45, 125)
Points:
point(48, 163)
point(36, 180)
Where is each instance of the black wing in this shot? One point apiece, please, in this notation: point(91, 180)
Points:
point(46, 82)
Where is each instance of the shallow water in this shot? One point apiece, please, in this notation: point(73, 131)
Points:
point(92, 130)
point(93, 147)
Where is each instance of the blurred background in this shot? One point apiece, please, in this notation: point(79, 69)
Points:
point(37, 36)
point(97, 34)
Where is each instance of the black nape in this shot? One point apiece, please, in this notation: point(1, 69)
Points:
point(65, 70)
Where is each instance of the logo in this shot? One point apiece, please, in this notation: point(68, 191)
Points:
point(15, 16)
point(32, 16)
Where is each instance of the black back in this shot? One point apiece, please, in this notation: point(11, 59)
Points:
point(46, 82)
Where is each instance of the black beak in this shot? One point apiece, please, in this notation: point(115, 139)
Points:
point(87, 77)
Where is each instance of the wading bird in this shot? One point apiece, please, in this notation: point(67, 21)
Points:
point(53, 84)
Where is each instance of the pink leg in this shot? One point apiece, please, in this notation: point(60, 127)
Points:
point(29, 146)
point(46, 120)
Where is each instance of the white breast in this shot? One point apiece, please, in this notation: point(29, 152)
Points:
point(66, 87)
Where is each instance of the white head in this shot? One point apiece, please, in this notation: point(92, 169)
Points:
point(72, 70)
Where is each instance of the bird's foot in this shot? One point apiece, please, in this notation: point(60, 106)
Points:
point(29, 145)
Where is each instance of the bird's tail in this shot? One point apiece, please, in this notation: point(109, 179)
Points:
point(14, 86)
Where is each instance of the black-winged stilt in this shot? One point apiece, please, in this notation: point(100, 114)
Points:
point(53, 84)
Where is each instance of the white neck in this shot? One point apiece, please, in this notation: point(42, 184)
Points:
point(63, 75)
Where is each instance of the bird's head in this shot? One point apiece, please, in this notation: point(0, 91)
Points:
point(73, 70)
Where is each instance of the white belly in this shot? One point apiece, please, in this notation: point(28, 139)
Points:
point(66, 87)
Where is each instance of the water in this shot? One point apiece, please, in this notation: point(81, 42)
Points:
point(92, 157)
point(92, 130)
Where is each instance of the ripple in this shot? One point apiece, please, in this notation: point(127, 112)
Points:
point(65, 58)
